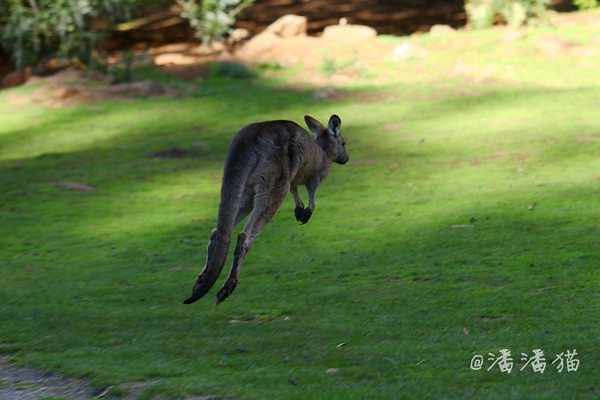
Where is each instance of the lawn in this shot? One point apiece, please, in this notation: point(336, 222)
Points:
point(464, 224)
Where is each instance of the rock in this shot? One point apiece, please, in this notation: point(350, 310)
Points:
point(226, 57)
point(348, 33)
point(442, 30)
point(408, 50)
point(55, 64)
point(289, 26)
point(173, 48)
point(66, 76)
point(16, 78)
point(62, 93)
point(34, 80)
point(175, 59)
point(237, 35)
point(202, 51)
point(259, 44)
point(217, 46)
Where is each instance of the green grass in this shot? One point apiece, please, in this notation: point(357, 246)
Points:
point(470, 228)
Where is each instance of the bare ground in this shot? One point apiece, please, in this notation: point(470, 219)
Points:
point(20, 383)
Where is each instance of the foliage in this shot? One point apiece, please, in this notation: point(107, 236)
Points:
point(212, 19)
point(480, 13)
point(512, 12)
point(520, 12)
point(333, 64)
point(586, 4)
point(122, 71)
point(40, 29)
point(484, 13)
point(235, 70)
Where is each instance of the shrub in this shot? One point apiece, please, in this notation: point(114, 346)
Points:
point(533, 12)
point(586, 4)
point(484, 13)
point(36, 30)
point(234, 70)
point(480, 13)
point(513, 13)
point(212, 19)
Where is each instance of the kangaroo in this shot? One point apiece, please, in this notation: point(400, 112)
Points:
point(265, 162)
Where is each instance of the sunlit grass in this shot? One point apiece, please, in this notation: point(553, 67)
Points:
point(463, 224)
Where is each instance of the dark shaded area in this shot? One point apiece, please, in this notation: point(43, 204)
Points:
point(153, 24)
point(27, 383)
point(393, 17)
point(161, 24)
point(386, 16)
point(5, 64)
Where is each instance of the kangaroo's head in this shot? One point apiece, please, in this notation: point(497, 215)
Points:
point(329, 139)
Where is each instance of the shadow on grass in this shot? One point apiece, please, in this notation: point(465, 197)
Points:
point(422, 263)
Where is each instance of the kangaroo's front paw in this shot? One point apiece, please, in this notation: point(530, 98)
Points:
point(302, 214)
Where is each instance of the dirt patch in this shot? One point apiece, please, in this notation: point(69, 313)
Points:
point(19, 383)
point(498, 154)
point(22, 383)
point(392, 127)
point(583, 138)
point(187, 61)
point(74, 87)
point(75, 186)
point(513, 157)
point(187, 72)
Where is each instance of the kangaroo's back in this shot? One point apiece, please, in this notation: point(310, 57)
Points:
point(272, 147)
point(264, 161)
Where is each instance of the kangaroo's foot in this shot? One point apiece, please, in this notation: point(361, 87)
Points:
point(197, 293)
point(226, 290)
point(302, 214)
point(201, 286)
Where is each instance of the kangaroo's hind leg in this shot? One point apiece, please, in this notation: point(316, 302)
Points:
point(266, 204)
point(246, 206)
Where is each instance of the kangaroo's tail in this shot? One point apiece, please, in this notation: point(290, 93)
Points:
point(234, 181)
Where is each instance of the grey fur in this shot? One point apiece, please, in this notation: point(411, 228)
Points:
point(265, 162)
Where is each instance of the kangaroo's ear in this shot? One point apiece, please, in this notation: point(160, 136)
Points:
point(315, 126)
point(335, 124)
